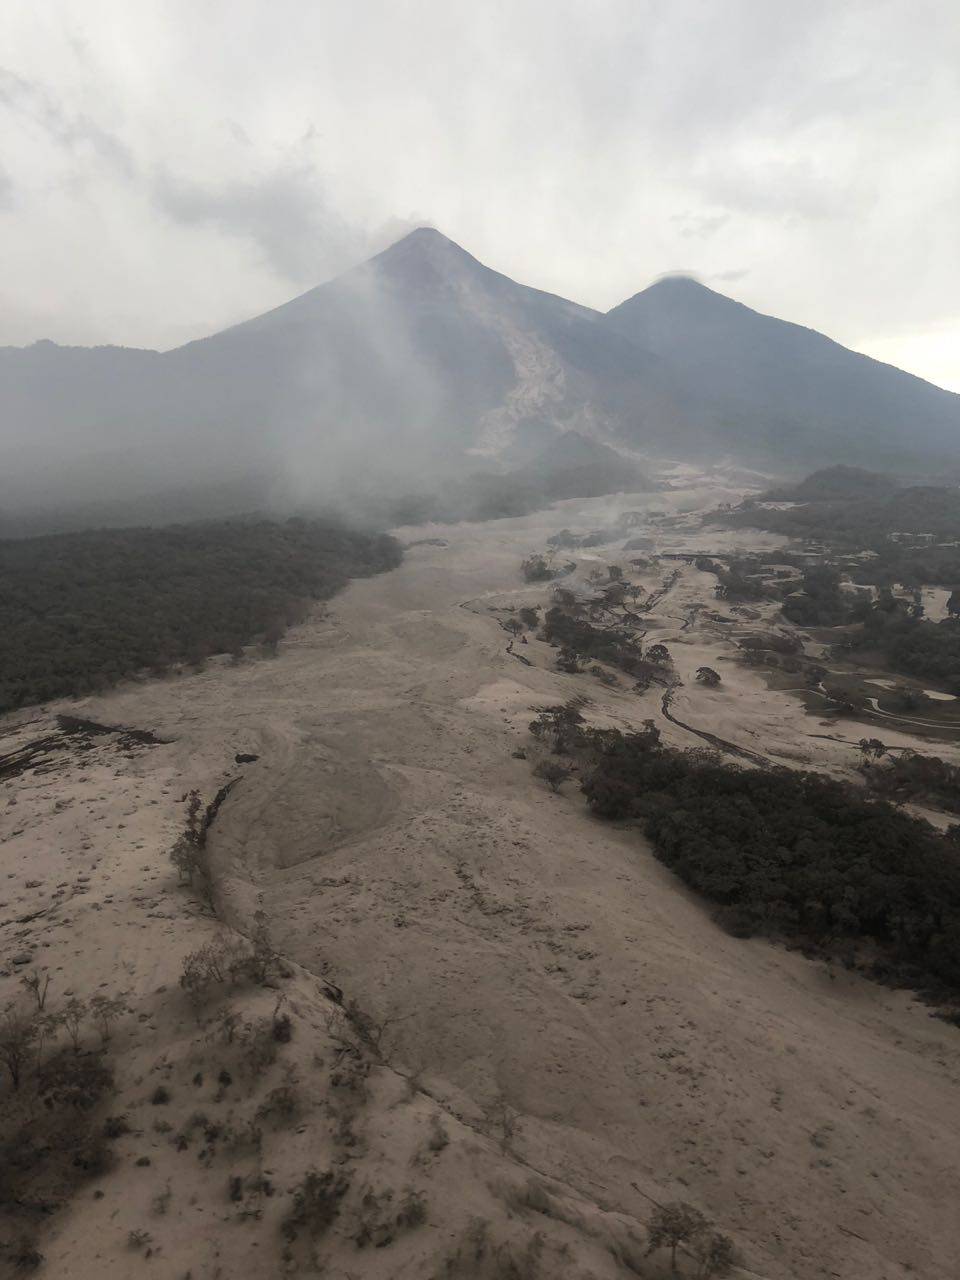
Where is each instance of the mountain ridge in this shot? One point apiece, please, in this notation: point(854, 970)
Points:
point(758, 376)
point(423, 360)
point(742, 307)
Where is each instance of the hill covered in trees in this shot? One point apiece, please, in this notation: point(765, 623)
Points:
point(79, 611)
point(835, 482)
point(912, 533)
point(849, 520)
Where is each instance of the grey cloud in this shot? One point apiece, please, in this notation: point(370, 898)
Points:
point(239, 133)
point(700, 226)
point(793, 189)
point(73, 132)
point(582, 149)
point(285, 213)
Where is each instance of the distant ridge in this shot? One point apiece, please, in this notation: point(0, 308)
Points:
point(838, 482)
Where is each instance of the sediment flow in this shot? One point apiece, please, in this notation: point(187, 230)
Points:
point(513, 950)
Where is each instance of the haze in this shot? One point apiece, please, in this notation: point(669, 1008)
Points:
point(169, 169)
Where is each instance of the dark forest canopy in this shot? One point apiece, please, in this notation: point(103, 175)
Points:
point(80, 611)
point(920, 511)
point(788, 854)
point(835, 482)
point(891, 627)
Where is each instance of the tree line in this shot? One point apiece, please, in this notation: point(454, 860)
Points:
point(785, 854)
point(79, 611)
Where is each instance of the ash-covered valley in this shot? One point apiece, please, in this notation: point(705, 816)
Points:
point(379, 950)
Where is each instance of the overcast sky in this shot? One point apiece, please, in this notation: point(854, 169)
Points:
point(168, 167)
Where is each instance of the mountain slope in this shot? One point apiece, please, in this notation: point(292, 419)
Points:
point(759, 385)
point(409, 365)
point(423, 364)
point(426, 339)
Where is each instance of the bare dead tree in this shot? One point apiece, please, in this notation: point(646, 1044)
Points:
point(37, 982)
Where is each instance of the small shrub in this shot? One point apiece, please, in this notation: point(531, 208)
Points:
point(413, 1210)
point(67, 1080)
point(161, 1201)
point(228, 1023)
point(536, 569)
point(18, 1031)
point(316, 1203)
point(72, 1016)
point(569, 662)
point(259, 1047)
point(264, 961)
point(504, 1120)
point(439, 1138)
point(92, 1156)
point(160, 1096)
point(115, 1126)
point(23, 1254)
point(553, 774)
point(225, 959)
point(281, 1105)
point(105, 1011)
point(139, 1239)
point(376, 1220)
point(717, 1256)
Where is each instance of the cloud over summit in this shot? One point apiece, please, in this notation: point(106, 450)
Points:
point(171, 168)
